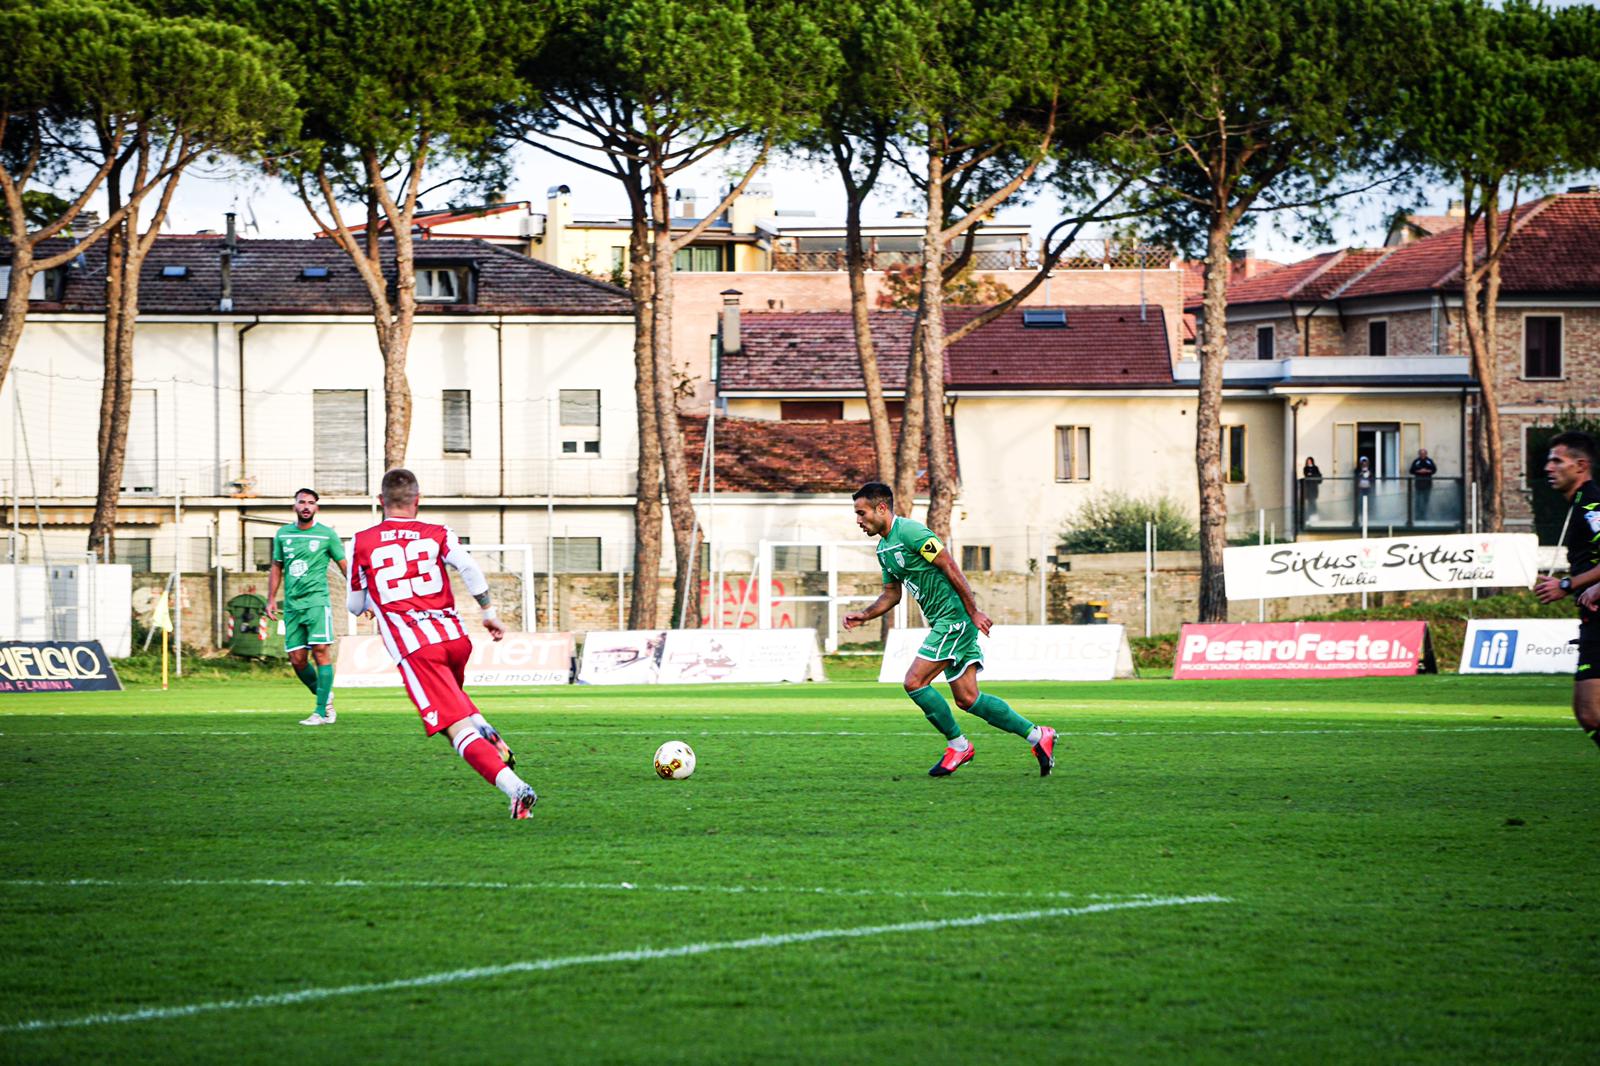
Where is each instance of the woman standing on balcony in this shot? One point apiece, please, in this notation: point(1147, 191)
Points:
point(1310, 483)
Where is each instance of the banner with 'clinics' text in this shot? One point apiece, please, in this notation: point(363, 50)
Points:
point(1390, 564)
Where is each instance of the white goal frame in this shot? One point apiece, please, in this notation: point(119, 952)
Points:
point(830, 564)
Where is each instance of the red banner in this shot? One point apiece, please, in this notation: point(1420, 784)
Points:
point(1302, 649)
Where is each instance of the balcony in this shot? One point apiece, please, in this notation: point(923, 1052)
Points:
point(1351, 369)
point(1080, 255)
point(1333, 505)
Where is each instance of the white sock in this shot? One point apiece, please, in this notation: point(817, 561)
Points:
point(508, 782)
point(1034, 734)
point(961, 743)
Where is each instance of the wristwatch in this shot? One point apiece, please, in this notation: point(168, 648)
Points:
point(1566, 584)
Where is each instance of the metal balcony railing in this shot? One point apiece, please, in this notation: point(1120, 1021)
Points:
point(1334, 504)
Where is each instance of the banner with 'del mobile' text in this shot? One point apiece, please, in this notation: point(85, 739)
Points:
point(1392, 564)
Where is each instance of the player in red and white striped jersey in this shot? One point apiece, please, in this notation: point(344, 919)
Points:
point(397, 573)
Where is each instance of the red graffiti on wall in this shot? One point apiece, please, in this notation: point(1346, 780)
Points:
point(741, 608)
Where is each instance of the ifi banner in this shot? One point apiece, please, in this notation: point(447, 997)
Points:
point(56, 666)
point(1392, 564)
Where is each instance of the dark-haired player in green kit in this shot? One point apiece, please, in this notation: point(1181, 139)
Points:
point(912, 556)
point(301, 552)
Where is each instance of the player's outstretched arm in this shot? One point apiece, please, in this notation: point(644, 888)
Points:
point(946, 565)
point(274, 579)
point(882, 605)
point(477, 585)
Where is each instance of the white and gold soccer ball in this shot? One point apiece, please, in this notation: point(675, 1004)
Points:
point(674, 760)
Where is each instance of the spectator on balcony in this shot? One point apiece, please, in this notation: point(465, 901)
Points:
point(1363, 488)
point(1310, 485)
point(1422, 471)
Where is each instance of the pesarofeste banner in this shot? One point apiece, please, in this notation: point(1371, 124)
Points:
point(1520, 646)
point(1303, 649)
point(56, 666)
point(1392, 564)
point(519, 659)
point(1028, 653)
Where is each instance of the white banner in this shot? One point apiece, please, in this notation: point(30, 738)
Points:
point(698, 656)
point(625, 657)
point(1520, 646)
point(1320, 567)
point(1028, 653)
point(519, 659)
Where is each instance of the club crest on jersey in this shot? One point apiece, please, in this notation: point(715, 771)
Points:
point(432, 718)
point(930, 548)
point(899, 558)
point(1593, 518)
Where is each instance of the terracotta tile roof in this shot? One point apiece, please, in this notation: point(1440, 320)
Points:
point(814, 351)
point(268, 279)
point(760, 455)
point(1552, 251)
point(1242, 269)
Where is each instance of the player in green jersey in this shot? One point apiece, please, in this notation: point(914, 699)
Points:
point(911, 556)
point(301, 552)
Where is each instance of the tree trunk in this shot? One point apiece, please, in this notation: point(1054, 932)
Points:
point(877, 409)
point(647, 497)
point(15, 314)
point(686, 580)
point(909, 450)
point(1208, 425)
point(941, 479)
point(394, 341)
point(1480, 296)
point(116, 394)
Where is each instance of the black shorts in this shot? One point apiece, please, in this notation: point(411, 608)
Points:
point(1588, 643)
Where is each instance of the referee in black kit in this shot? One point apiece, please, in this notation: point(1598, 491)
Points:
point(1569, 468)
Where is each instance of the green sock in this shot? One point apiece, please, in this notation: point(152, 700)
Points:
point(998, 713)
point(936, 711)
point(324, 689)
point(308, 676)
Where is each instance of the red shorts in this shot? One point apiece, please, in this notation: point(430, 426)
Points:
point(433, 677)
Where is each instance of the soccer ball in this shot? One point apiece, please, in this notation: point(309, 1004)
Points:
point(674, 760)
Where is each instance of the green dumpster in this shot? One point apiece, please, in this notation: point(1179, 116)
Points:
point(251, 635)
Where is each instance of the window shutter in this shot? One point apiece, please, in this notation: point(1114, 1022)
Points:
point(339, 440)
point(140, 460)
point(580, 407)
point(458, 421)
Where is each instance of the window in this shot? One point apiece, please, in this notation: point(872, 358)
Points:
point(457, 422)
point(699, 258)
point(1541, 346)
point(1378, 337)
point(1233, 454)
point(580, 422)
point(576, 554)
point(975, 557)
point(1072, 453)
point(796, 558)
point(1044, 318)
point(196, 555)
point(261, 553)
point(811, 410)
point(44, 285)
point(141, 462)
point(135, 551)
point(339, 441)
point(619, 260)
point(1266, 342)
point(444, 285)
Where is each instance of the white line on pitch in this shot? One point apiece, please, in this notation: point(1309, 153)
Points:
point(1372, 730)
point(563, 886)
point(451, 977)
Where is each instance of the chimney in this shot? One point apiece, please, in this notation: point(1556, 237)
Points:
point(685, 203)
point(731, 343)
point(230, 245)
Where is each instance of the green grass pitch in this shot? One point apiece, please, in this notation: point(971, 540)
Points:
point(1384, 870)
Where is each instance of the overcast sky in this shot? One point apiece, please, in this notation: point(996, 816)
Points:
point(268, 209)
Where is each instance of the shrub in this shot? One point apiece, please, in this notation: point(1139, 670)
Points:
point(1114, 522)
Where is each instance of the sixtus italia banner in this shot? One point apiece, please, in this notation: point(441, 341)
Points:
point(56, 666)
point(1320, 567)
point(1304, 649)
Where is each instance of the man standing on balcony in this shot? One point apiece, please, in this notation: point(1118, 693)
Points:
point(1422, 471)
point(305, 547)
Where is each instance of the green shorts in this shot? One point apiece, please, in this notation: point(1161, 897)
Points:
point(308, 625)
point(956, 641)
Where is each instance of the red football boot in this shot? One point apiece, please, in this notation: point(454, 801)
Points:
point(952, 761)
point(1045, 750)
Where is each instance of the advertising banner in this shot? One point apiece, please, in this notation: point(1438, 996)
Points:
point(699, 656)
point(56, 666)
point(623, 657)
point(1320, 567)
point(1520, 646)
point(519, 659)
point(1303, 649)
point(1028, 653)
